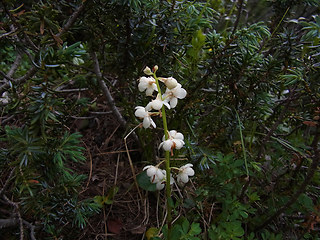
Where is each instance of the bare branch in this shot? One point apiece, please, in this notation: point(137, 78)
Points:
point(238, 16)
point(15, 65)
point(16, 206)
point(18, 25)
point(72, 19)
point(10, 222)
point(19, 80)
point(7, 182)
point(106, 91)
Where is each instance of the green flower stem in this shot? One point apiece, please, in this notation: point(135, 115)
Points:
point(167, 160)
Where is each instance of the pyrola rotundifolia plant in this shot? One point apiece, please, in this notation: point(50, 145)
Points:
point(172, 139)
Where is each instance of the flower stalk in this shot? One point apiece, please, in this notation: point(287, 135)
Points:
point(167, 158)
point(171, 139)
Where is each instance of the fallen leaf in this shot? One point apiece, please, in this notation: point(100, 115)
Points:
point(310, 123)
point(114, 225)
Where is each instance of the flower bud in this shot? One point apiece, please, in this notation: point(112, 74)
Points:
point(155, 68)
point(147, 71)
point(171, 83)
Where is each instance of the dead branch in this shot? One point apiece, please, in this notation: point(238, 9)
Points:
point(72, 19)
point(106, 91)
point(32, 71)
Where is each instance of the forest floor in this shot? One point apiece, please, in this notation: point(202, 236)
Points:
point(108, 168)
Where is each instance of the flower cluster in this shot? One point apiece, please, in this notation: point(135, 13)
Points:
point(158, 176)
point(174, 91)
point(172, 139)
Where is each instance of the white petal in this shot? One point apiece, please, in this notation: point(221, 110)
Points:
point(142, 85)
point(147, 167)
point(183, 177)
point(160, 186)
point(156, 104)
point(188, 165)
point(146, 122)
point(151, 171)
point(179, 136)
point(189, 171)
point(167, 145)
point(149, 106)
point(173, 102)
point(152, 123)
point(166, 104)
point(173, 133)
point(160, 174)
point(149, 91)
point(179, 143)
point(140, 112)
point(180, 93)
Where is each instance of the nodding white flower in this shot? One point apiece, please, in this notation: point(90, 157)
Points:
point(160, 185)
point(148, 84)
point(175, 141)
point(184, 173)
point(157, 104)
point(156, 174)
point(147, 120)
point(147, 71)
point(172, 95)
point(170, 82)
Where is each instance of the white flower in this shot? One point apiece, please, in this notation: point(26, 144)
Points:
point(170, 82)
point(172, 95)
point(148, 84)
point(184, 173)
point(147, 120)
point(160, 185)
point(157, 104)
point(156, 175)
point(175, 141)
point(147, 71)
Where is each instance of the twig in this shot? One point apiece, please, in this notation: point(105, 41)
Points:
point(130, 161)
point(18, 25)
point(72, 19)
point(116, 174)
point(113, 152)
point(236, 23)
point(90, 157)
point(28, 75)
point(72, 90)
point(6, 223)
point(7, 182)
point(106, 91)
point(15, 65)
point(16, 206)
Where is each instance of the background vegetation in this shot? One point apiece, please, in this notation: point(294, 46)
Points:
point(69, 73)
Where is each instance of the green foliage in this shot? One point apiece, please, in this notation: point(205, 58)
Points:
point(182, 229)
point(262, 64)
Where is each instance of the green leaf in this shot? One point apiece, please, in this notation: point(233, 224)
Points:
point(195, 229)
point(144, 182)
point(185, 226)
